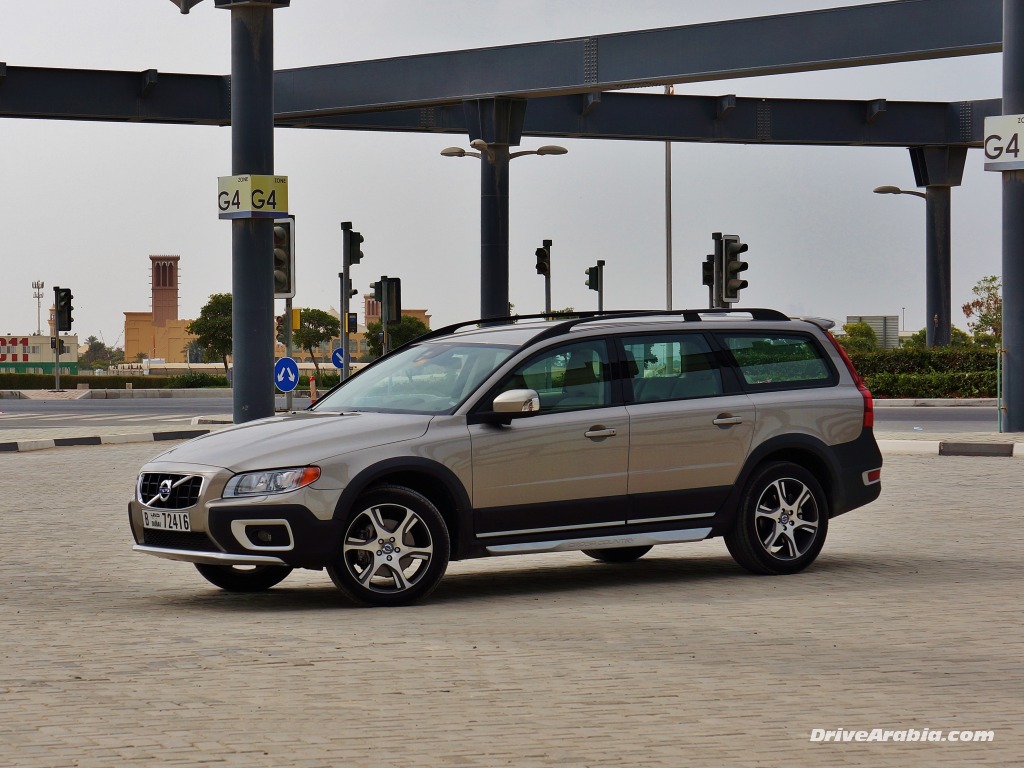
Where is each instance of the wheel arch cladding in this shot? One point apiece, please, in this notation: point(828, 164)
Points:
point(434, 481)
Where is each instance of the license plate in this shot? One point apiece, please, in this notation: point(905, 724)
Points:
point(165, 521)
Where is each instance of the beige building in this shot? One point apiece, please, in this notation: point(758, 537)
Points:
point(158, 334)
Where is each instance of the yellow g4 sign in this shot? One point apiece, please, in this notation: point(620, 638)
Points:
point(246, 196)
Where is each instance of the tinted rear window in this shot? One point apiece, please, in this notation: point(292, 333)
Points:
point(770, 360)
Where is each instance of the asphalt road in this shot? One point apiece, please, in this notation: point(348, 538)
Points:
point(26, 414)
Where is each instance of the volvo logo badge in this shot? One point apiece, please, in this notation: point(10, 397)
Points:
point(165, 490)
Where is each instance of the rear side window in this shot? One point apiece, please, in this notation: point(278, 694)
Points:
point(778, 361)
point(671, 367)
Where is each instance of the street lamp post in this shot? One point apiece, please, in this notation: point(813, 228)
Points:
point(37, 287)
point(938, 298)
point(494, 160)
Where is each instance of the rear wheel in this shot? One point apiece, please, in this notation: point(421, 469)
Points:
point(395, 548)
point(244, 578)
point(618, 554)
point(782, 521)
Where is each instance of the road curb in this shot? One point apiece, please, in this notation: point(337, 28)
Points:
point(20, 446)
point(950, 448)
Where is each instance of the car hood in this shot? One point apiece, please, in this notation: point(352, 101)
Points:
point(296, 439)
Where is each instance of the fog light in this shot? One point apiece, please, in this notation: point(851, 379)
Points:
point(264, 536)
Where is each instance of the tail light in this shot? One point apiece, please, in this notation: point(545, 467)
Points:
point(869, 403)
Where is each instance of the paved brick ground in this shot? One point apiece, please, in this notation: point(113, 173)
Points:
point(910, 619)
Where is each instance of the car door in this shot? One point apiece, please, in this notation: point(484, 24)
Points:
point(690, 427)
point(564, 467)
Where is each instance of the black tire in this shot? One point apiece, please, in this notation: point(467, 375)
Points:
point(782, 521)
point(394, 549)
point(618, 554)
point(244, 578)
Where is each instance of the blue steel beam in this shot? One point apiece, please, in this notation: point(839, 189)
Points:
point(114, 95)
point(878, 33)
point(657, 117)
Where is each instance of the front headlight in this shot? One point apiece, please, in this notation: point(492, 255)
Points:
point(269, 481)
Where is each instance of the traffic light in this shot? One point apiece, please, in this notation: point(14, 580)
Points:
point(544, 259)
point(732, 283)
point(352, 244)
point(355, 247)
point(279, 328)
point(594, 278)
point(388, 291)
point(61, 349)
point(62, 308)
point(284, 258)
point(708, 271)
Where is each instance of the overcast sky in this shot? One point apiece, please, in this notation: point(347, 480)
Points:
point(85, 204)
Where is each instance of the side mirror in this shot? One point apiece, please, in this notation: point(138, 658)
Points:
point(517, 401)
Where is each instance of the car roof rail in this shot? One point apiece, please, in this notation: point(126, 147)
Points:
point(572, 319)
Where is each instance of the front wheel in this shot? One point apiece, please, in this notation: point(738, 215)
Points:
point(395, 548)
point(782, 521)
point(244, 578)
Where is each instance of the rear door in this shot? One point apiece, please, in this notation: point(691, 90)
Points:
point(690, 427)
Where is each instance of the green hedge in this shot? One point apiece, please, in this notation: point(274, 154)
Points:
point(929, 373)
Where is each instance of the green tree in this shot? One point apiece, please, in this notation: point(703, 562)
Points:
point(99, 355)
point(315, 327)
point(987, 308)
point(404, 332)
point(957, 338)
point(858, 337)
point(212, 328)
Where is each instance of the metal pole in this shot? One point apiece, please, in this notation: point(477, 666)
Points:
point(384, 314)
point(600, 285)
point(669, 90)
point(938, 329)
point(252, 240)
point(1013, 225)
point(494, 231)
point(547, 280)
point(346, 264)
point(37, 286)
point(288, 330)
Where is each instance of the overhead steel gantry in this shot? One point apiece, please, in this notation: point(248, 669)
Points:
point(485, 92)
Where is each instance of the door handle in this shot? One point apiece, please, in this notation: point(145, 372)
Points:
point(725, 420)
point(597, 433)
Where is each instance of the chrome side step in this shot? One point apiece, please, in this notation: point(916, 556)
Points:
point(602, 542)
point(209, 558)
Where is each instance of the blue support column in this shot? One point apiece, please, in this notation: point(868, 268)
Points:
point(499, 123)
point(1013, 226)
point(938, 265)
point(938, 169)
point(252, 240)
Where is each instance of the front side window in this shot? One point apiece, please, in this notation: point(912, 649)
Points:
point(427, 378)
point(671, 367)
point(770, 360)
point(567, 378)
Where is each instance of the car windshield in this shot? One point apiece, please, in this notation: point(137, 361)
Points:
point(426, 378)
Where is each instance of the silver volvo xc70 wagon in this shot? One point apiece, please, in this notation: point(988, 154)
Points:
point(606, 434)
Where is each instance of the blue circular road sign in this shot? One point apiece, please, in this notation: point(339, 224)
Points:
point(338, 358)
point(286, 374)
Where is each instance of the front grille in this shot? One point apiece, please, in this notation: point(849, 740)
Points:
point(184, 490)
point(193, 542)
